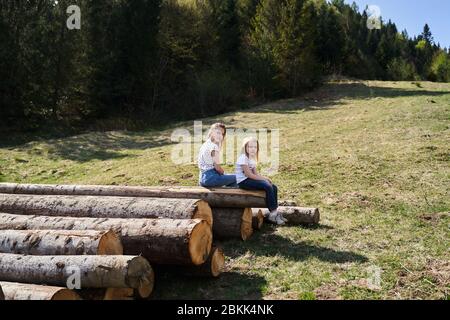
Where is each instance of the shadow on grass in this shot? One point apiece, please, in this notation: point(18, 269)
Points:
point(99, 146)
point(269, 244)
point(229, 286)
point(329, 96)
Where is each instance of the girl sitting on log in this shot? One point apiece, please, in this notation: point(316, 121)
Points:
point(248, 178)
point(211, 173)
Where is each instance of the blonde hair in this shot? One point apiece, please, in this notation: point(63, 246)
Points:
point(245, 143)
point(215, 126)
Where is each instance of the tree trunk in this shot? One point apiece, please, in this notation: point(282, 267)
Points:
point(105, 207)
point(232, 223)
point(216, 197)
point(60, 242)
point(93, 271)
point(213, 266)
point(161, 241)
point(258, 219)
point(297, 215)
point(24, 291)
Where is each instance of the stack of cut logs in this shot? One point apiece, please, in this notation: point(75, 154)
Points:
point(55, 239)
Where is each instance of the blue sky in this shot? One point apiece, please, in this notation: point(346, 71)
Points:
point(413, 14)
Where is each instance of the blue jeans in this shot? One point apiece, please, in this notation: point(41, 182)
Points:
point(212, 178)
point(271, 191)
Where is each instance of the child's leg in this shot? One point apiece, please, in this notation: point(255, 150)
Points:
point(228, 180)
point(214, 179)
point(271, 191)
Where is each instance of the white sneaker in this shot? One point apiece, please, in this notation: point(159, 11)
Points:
point(282, 218)
point(273, 216)
point(279, 220)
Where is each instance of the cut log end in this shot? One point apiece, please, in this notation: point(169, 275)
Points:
point(119, 294)
point(203, 212)
point(200, 242)
point(258, 219)
point(246, 225)
point(2, 296)
point(65, 294)
point(141, 277)
point(110, 244)
point(217, 262)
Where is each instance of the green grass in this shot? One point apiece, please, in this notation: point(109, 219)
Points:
point(373, 156)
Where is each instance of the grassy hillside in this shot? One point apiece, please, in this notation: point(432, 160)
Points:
point(373, 156)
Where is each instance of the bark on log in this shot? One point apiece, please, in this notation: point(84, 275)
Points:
point(232, 223)
point(105, 207)
point(258, 219)
point(107, 294)
point(60, 242)
point(25, 291)
point(161, 241)
point(94, 271)
point(213, 266)
point(298, 215)
point(216, 197)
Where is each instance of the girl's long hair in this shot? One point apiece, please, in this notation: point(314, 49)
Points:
point(245, 143)
point(215, 126)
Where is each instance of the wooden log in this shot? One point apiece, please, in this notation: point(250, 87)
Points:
point(107, 294)
point(94, 271)
point(161, 241)
point(258, 219)
point(232, 223)
point(298, 215)
point(105, 207)
point(2, 295)
point(216, 197)
point(213, 266)
point(60, 242)
point(25, 291)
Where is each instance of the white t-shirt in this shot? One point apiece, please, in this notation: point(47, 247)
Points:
point(243, 160)
point(205, 160)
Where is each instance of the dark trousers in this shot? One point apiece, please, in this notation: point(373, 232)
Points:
point(271, 191)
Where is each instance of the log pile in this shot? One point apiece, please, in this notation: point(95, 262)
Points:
point(114, 234)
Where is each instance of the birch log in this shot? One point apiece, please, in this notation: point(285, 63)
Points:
point(105, 207)
point(91, 271)
point(298, 215)
point(25, 291)
point(60, 242)
point(216, 197)
point(161, 241)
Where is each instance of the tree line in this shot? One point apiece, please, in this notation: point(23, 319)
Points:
point(153, 61)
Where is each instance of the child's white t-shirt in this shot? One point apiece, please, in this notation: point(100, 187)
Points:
point(205, 160)
point(243, 160)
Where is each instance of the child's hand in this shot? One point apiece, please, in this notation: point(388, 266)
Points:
point(269, 181)
point(220, 171)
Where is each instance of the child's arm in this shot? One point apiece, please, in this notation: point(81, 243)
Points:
point(249, 173)
point(216, 159)
point(255, 172)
